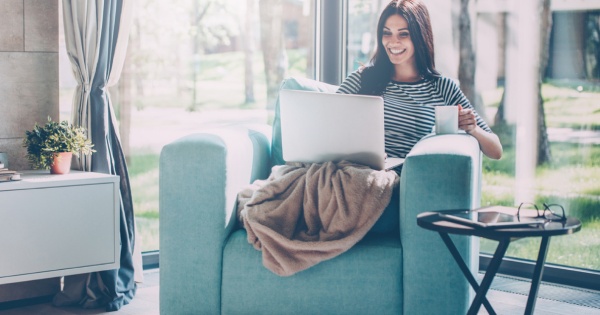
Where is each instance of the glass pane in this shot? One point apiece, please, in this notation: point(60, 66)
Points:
point(193, 65)
point(570, 89)
point(362, 21)
point(564, 165)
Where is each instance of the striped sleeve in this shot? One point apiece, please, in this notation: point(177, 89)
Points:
point(351, 85)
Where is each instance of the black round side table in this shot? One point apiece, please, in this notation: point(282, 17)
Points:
point(504, 235)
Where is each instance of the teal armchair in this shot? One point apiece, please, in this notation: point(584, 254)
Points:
point(208, 267)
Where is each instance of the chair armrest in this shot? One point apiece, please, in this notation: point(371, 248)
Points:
point(442, 172)
point(199, 178)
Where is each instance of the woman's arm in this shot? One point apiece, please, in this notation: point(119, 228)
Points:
point(488, 141)
point(470, 121)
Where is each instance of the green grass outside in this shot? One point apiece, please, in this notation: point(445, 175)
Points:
point(568, 108)
point(571, 179)
point(143, 178)
point(580, 249)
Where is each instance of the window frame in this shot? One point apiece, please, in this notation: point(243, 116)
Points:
point(331, 41)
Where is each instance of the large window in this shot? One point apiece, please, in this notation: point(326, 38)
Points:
point(193, 65)
point(563, 169)
point(199, 64)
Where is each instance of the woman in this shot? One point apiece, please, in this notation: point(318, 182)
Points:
point(402, 71)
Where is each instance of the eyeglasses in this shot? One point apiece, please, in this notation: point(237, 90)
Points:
point(551, 212)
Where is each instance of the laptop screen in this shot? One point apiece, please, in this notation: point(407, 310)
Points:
point(317, 127)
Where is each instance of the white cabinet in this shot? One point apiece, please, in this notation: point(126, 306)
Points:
point(57, 225)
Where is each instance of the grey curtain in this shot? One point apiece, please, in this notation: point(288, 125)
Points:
point(96, 34)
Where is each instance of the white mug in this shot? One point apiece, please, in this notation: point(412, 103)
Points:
point(446, 119)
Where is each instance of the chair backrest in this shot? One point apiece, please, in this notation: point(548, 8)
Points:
point(292, 83)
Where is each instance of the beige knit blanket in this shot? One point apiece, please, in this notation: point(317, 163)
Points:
point(307, 213)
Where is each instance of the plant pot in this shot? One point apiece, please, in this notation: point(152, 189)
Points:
point(61, 163)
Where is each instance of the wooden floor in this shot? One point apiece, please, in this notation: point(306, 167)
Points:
point(506, 296)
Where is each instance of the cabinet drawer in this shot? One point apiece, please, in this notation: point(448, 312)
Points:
point(57, 228)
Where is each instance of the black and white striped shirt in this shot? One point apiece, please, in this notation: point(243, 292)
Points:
point(409, 112)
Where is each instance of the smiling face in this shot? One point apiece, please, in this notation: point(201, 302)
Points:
point(397, 42)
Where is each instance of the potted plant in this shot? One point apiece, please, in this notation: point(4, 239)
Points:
point(52, 146)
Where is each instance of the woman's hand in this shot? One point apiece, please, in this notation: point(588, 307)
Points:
point(466, 119)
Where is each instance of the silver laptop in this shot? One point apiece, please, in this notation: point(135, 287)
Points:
point(317, 127)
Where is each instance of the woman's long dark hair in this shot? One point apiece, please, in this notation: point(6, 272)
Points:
point(376, 76)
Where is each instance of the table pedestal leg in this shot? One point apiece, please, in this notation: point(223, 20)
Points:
point(465, 270)
point(537, 275)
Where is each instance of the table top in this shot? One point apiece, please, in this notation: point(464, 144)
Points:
point(433, 221)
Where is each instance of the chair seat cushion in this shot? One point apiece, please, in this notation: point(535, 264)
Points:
point(367, 279)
